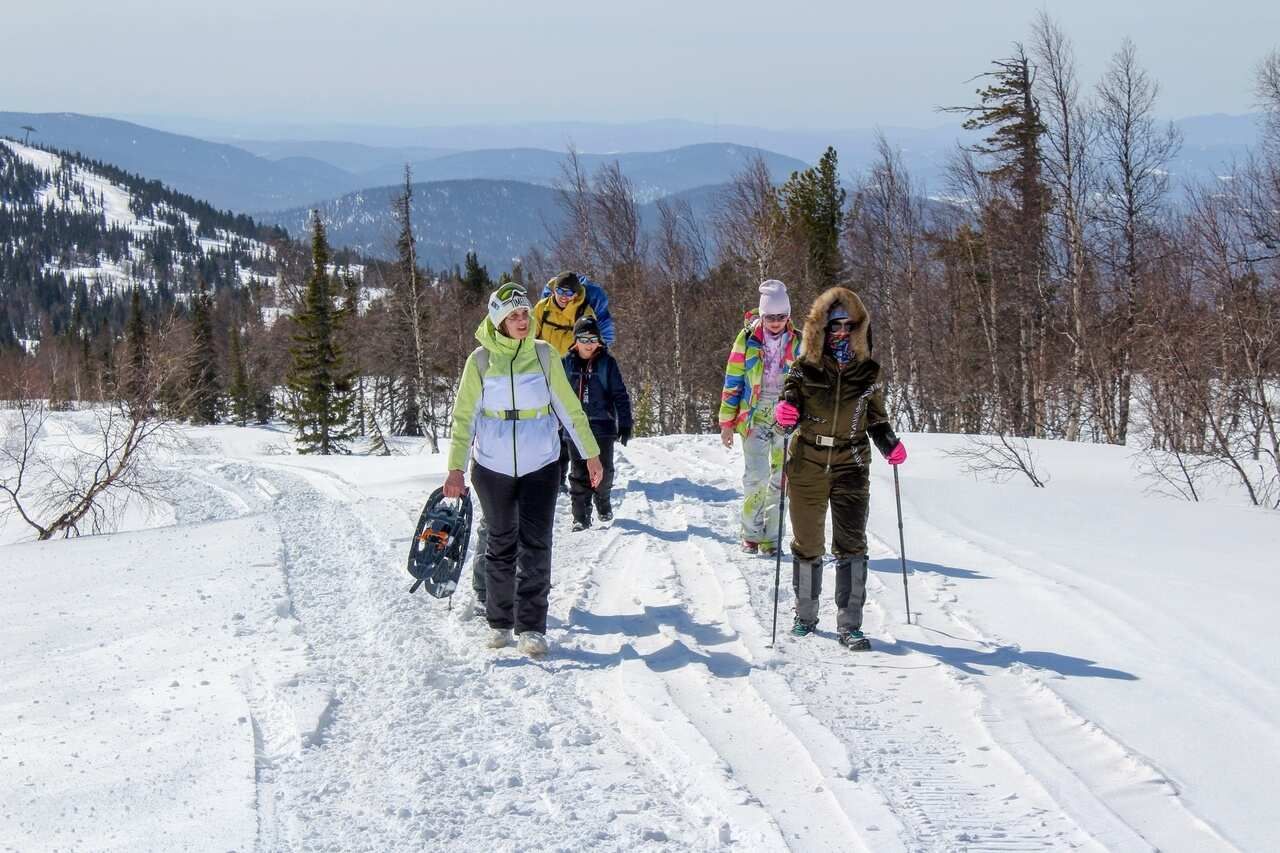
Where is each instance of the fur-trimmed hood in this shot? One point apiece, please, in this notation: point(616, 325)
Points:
point(815, 326)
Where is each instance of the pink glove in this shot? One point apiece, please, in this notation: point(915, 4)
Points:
point(898, 455)
point(786, 414)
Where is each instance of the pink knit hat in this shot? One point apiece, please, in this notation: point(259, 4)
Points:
point(773, 298)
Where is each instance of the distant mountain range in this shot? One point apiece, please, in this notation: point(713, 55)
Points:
point(498, 220)
point(1210, 140)
point(279, 175)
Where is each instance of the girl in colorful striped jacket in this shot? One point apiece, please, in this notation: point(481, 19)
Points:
point(759, 361)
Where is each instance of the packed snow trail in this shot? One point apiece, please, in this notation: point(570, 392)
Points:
point(661, 681)
point(326, 708)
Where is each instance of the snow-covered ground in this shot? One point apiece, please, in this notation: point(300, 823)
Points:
point(1088, 667)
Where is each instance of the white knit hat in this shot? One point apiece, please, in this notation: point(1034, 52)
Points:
point(506, 299)
point(773, 298)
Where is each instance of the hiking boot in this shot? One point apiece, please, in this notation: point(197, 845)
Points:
point(749, 547)
point(767, 549)
point(581, 524)
point(499, 638)
point(802, 629)
point(604, 509)
point(532, 644)
point(854, 641)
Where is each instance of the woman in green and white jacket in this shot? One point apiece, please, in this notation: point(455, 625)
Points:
point(512, 400)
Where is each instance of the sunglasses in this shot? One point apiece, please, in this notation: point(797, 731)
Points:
point(840, 326)
point(775, 318)
point(587, 339)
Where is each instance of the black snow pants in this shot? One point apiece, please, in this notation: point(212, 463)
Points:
point(520, 512)
point(580, 492)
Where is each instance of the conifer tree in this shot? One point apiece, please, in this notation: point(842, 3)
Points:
point(319, 381)
point(411, 340)
point(240, 392)
point(814, 203)
point(476, 279)
point(202, 376)
point(136, 392)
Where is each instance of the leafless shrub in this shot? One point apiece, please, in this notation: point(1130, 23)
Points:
point(999, 458)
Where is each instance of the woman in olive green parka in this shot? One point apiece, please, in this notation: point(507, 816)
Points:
point(832, 397)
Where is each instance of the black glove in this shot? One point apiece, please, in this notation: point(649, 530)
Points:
point(624, 436)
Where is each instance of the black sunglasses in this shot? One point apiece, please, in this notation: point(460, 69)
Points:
point(837, 325)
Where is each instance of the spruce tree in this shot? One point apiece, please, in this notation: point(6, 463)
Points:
point(202, 377)
point(814, 202)
point(240, 392)
point(136, 390)
point(411, 315)
point(475, 279)
point(320, 384)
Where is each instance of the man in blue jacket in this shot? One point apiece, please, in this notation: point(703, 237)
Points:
point(596, 298)
point(594, 376)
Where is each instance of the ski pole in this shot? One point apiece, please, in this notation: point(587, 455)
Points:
point(902, 547)
point(777, 568)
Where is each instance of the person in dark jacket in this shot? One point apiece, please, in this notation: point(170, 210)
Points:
point(594, 375)
point(833, 397)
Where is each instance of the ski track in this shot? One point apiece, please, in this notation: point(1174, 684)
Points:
point(944, 789)
point(1083, 787)
point(662, 720)
point(382, 723)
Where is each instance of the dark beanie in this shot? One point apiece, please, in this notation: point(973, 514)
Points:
point(564, 279)
point(587, 326)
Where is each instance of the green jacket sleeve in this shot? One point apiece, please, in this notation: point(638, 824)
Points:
point(466, 405)
point(569, 409)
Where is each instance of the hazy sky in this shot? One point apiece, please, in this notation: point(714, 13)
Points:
point(822, 64)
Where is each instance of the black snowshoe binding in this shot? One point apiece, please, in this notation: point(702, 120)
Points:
point(439, 547)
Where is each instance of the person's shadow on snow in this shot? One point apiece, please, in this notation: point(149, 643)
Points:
point(894, 567)
point(631, 626)
point(971, 661)
point(683, 487)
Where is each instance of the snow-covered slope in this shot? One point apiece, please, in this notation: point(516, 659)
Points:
point(1087, 668)
point(162, 239)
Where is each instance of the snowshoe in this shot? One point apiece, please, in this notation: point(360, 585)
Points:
point(439, 547)
point(580, 524)
point(767, 549)
point(499, 638)
point(802, 629)
point(749, 547)
point(854, 641)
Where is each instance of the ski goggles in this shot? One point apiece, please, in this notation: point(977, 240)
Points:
point(775, 318)
point(508, 298)
point(566, 292)
point(587, 339)
point(840, 326)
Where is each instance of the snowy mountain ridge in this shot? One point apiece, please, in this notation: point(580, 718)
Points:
point(71, 186)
